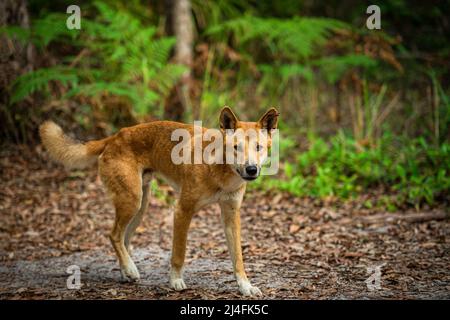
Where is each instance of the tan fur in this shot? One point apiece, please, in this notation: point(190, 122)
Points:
point(125, 162)
point(65, 150)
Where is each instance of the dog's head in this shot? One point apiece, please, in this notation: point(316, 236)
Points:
point(246, 144)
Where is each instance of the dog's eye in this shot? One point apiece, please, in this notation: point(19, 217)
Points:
point(259, 147)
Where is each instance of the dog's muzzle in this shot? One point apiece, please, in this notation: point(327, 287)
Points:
point(251, 172)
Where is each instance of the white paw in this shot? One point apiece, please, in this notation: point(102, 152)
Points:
point(130, 272)
point(178, 284)
point(248, 290)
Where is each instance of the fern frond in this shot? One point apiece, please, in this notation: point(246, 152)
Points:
point(295, 38)
point(334, 67)
point(167, 77)
point(39, 80)
point(125, 59)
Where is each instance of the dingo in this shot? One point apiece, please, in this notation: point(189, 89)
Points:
point(126, 162)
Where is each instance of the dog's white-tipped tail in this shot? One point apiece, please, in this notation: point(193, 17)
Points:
point(67, 151)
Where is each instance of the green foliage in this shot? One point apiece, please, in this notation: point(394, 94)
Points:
point(124, 58)
point(52, 28)
point(275, 77)
point(334, 67)
point(416, 171)
point(39, 81)
point(210, 13)
point(325, 74)
point(292, 46)
point(276, 56)
point(289, 54)
point(294, 38)
point(43, 31)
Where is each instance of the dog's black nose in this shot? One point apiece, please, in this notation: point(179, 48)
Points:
point(251, 170)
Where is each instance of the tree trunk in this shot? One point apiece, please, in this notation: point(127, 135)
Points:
point(15, 58)
point(179, 23)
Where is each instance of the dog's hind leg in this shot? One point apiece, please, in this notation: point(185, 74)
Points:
point(124, 183)
point(132, 226)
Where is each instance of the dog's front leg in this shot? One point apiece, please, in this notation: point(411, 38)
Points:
point(181, 222)
point(232, 224)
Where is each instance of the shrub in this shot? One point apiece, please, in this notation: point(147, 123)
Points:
point(415, 171)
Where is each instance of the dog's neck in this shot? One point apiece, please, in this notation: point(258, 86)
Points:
point(229, 180)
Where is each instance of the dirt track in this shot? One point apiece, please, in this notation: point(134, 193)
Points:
point(293, 248)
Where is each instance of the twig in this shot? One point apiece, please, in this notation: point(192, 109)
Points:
point(409, 217)
point(78, 57)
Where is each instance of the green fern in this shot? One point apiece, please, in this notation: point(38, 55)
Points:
point(53, 28)
point(39, 80)
point(125, 59)
point(281, 74)
point(335, 66)
point(294, 38)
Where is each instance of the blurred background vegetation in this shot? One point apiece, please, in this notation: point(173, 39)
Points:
point(362, 111)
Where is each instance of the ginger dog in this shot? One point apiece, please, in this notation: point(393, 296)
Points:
point(127, 161)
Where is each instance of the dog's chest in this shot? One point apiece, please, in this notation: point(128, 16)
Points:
point(231, 191)
point(220, 195)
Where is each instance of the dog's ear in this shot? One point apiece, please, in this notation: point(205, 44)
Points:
point(228, 119)
point(269, 120)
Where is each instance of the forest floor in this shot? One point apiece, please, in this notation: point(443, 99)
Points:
point(294, 248)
